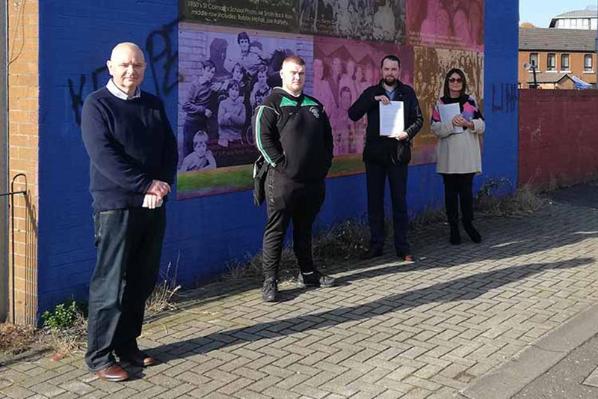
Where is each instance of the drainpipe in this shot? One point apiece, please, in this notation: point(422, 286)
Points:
point(3, 161)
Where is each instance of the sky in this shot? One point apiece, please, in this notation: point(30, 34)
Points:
point(540, 12)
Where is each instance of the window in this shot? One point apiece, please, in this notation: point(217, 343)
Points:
point(564, 62)
point(551, 62)
point(533, 59)
point(587, 63)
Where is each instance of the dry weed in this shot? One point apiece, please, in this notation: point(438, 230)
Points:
point(164, 292)
point(15, 339)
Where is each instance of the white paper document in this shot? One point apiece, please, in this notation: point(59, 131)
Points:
point(392, 119)
point(448, 112)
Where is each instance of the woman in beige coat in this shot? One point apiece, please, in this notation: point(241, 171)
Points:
point(458, 123)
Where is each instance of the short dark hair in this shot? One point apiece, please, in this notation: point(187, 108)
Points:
point(208, 64)
point(447, 92)
point(294, 59)
point(233, 85)
point(241, 36)
point(391, 58)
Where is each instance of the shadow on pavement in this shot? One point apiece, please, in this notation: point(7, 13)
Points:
point(504, 237)
point(460, 289)
point(583, 195)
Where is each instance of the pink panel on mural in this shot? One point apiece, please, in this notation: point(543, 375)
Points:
point(453, 23)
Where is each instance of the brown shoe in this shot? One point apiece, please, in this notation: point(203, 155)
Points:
point(138, 359)
point(406, 257)
point(112, 373)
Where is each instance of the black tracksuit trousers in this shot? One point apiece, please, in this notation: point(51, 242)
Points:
point(287, 201)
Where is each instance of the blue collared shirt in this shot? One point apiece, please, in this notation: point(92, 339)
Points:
point(391, 94)
point(115, 91)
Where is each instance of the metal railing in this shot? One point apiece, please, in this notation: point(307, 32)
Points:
point(12, 193)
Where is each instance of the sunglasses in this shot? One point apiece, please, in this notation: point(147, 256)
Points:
point(455, 80)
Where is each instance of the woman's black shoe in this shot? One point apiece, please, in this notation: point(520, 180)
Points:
point(472, 233)
point(371, 253)
point(455, 237)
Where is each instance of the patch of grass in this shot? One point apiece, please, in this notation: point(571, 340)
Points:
point(15, 339)
point(341, 242)
point(164, 292)
point(524, 201)
point(67, 340)
point(65, 328)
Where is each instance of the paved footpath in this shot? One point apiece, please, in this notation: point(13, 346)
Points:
point(442, 327)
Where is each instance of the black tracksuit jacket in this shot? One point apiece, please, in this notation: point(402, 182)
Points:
point(294, 135)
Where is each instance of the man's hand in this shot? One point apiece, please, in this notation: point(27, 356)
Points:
point(399, 136)
point(158, 188)
point(152, 201)
point(383, 99)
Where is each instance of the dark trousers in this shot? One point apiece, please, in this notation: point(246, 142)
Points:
point(376, 175)
point(288, 201)
point(458, 191)
point(129, 244)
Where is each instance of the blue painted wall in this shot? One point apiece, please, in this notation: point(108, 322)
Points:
point(203, 234)
point(500, 155)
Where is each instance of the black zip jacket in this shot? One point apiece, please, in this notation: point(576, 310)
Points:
point(294, 136)
point(382, 149)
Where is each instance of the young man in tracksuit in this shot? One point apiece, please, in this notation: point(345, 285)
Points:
point(387, 156)
point(294, 136)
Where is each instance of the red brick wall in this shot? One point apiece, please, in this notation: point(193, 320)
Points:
point(23, 94)
point(558, 137)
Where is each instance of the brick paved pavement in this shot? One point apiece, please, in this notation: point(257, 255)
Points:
point(389, 330)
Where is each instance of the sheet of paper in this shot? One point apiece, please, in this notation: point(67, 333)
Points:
point(392, 118)
point(448, 112)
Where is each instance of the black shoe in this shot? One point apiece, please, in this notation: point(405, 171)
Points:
point(472, 233)
point(455, 237)
point(315, 279)
point(371, 253)
point(269, 290)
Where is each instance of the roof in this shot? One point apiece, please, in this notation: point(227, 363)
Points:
point(547, 77)
point(557, 39)
point(577, 14)
point(587, 13)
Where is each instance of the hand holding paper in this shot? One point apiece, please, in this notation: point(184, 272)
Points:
point(392, 120)
point(152, 201)
point(448, 112)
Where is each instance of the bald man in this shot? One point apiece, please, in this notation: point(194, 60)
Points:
point(133, 158)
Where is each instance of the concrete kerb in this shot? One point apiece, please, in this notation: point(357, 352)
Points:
point(510, 378)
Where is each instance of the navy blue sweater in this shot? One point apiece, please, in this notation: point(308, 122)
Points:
point(130, 143)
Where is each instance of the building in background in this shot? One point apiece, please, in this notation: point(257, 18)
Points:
point(560, 56)
point(579, 19)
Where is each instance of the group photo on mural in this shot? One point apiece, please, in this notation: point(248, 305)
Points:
point(227, 68)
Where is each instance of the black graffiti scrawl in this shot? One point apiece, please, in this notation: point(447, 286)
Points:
point(162, 64)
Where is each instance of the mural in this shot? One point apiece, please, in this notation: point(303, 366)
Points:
point(277, 15)
point(357, 19)
point(431, 65)
point(342, 70)
point(452, 23)
point(226, 72)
